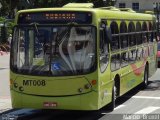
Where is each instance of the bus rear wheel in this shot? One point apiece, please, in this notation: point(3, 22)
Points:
point(114, 96)
point(145, 79)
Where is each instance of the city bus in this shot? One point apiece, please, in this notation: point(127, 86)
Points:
point(78, 57)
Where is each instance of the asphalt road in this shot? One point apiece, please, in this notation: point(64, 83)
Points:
point(135, 105)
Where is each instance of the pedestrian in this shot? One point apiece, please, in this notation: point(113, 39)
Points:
point(9, 39)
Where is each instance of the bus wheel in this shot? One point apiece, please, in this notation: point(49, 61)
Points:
point(114, 96)
point(145, 79)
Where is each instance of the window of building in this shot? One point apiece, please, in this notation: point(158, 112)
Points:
point(135, 6)
point(122, 5)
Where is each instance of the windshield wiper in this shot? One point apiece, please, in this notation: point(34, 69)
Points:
point(35, 26)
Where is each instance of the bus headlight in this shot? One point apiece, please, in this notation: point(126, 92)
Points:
point(87, 86)
point(15, 85)
point(21, 89)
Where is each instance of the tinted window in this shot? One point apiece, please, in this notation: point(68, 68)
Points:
point(132, 56)
point(115, 62)
point(115, 39)
point(124, 59)
point(123, 38)
point(139, 53)
point(132, 39)
point(144, 34)
point(104, 56)
point(138, 35)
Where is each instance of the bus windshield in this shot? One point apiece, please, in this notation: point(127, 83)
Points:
point(54, 50)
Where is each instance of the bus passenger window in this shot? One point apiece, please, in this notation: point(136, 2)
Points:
point(138, 35)
point(115, 39)
point(124, 59)
point(123, 38)
point(115, 62)
point(132, 56)
point(104, 56)
point(145, 33)
point(131, 30)
point(139, 54)
point(150, 33)
point(144, 37)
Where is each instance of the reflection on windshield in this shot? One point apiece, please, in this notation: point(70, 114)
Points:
point(54, 50)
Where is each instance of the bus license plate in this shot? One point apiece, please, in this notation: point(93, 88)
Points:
point(50, 104)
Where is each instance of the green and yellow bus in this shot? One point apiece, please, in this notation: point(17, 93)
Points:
point(78, 57)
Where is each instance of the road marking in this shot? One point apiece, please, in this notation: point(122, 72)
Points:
point(119, 106)
point(147, 110)
point(146, 97)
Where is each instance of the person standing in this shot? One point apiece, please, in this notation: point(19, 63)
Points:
point(9, 39)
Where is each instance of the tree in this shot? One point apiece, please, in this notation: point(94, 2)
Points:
point(5, 8)
point(8, 6)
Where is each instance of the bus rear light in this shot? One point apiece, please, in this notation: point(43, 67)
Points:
point(93, 82)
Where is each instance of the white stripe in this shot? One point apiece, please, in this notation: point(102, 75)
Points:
point(147, 110)
point(118, 107)
point(146, 97)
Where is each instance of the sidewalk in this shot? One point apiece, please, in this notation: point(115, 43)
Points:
point(5, 101)
point(5, 104)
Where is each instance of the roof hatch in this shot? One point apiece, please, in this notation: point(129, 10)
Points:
point(110, 8)
point(79, 5)
point(127, 10)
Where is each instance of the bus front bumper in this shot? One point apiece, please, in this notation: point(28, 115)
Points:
point(88, 101)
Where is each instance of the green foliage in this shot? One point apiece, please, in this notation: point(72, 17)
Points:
point(5, 29)
point(2, 19)
point(3, 34)
point(4, 11)
point(10, 26)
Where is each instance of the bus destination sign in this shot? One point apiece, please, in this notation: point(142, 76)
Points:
point(55, 17)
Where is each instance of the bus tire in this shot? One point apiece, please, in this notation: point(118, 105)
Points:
point(145, 78)
point(114, 93)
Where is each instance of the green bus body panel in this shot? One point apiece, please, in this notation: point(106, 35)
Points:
point(64, 90)
point(78, 102)
point(53, 86)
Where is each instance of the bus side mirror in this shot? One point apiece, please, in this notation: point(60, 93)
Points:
point(108, 34)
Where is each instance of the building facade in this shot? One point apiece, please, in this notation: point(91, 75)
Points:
point(137, 5)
